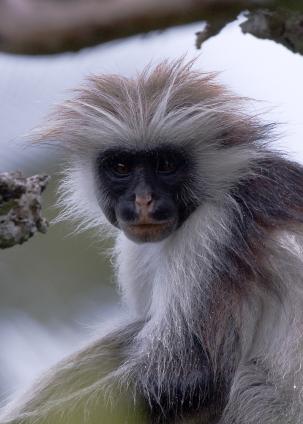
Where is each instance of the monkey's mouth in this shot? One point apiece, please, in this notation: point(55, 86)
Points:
point(149, 231)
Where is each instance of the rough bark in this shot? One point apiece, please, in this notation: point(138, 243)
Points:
point(283, 27)
point(20, 208)
point(52, 26)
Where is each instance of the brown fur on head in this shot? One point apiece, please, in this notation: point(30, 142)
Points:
point(168, 97)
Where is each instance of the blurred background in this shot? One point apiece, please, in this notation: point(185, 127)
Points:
point(57, 290)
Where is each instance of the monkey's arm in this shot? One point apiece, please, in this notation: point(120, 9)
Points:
point(79, 389)
point(270, 205)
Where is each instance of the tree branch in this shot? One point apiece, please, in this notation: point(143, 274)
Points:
point(52, 26)
point(282, 26)
point(20, 207)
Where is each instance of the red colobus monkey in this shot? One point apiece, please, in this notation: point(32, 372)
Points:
point(208, 226)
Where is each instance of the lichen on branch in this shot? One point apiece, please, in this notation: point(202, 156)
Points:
point(282, 26)
point(20, 207)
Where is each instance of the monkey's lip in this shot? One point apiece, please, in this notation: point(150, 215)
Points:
point(148, 230)
point(150, 225)
point(151, 230)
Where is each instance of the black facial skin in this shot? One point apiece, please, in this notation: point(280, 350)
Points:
point(144, 192)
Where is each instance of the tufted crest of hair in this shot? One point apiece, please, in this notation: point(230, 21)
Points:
point(170, 103)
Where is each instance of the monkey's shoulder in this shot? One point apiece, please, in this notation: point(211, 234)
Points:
point(273, 196)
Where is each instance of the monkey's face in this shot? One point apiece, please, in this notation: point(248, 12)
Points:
point(145, 193)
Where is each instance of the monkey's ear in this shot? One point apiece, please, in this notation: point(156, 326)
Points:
point(273, 197)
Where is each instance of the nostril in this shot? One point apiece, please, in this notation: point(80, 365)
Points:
point(143, 200)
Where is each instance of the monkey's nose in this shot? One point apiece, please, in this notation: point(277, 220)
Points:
point(143, 200)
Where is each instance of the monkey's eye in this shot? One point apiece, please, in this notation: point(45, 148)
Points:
point(122, 169)
point(166, 166)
